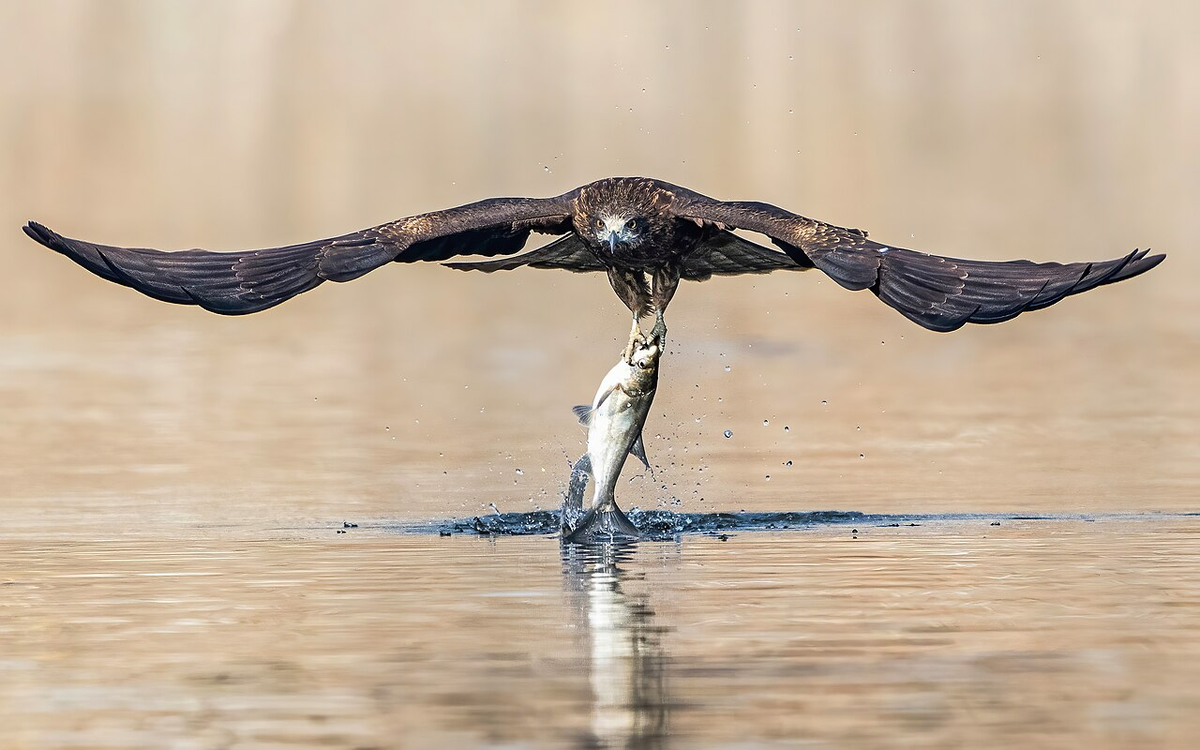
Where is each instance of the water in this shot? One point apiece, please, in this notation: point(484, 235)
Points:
point(663, 525)
point(951, 633)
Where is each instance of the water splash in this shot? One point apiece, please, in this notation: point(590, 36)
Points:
point(659, 525)
point(655, 524)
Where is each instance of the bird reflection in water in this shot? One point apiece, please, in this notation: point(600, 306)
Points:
point(627, 664)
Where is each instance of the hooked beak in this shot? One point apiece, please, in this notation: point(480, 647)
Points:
point(612, 242)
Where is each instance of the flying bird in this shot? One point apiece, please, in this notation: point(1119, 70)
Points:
point(645, 234)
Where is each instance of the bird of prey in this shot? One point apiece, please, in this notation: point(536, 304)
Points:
point(630, 228)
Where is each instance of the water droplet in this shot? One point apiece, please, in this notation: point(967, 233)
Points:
point(824, 402)
point(728, 433)
point(788, 462)
point(768, 477)
point(787, 429)
point(387, 429)
point(862, 455)
point(765, 423)
point(520, 473)
point(728, 368)
point(546, 168)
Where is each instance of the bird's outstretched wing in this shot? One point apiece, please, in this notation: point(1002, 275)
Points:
point(240, 282)
point(726, 254)
point(941, 294)
point(567, 252)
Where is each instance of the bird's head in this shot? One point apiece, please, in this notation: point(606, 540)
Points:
point(622, 215)
point(611, 231)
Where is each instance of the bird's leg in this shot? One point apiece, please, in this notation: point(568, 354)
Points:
point(664, 283)
point(659, 331)
point(630, 286)
point(635, 337)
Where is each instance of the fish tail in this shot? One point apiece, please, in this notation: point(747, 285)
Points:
point(604, 524)
point(572, 507)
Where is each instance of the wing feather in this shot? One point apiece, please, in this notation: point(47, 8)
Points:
point(939, 293)
point(726, 254)
point(240, 282)
point(567, 252)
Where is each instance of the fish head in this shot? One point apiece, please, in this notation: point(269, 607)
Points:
point(644, 355)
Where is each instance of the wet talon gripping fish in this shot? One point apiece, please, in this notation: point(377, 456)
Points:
point(614, 423)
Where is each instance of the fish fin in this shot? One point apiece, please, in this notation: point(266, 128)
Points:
point(599, 526)
point(584, 413)
point(602, 397)
point(572, 507)
point(639, 449)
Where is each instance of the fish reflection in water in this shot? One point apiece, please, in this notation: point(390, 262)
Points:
point(628, 661)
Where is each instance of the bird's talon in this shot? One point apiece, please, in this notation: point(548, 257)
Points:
point(659, 331)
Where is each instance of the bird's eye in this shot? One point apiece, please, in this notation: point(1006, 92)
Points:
point(599, 223)
point(631, 224)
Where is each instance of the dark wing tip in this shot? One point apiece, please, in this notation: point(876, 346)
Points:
point(43, 236)
point(86, 254)
point(1137, 262)
point(943, 294)
point(227, 283)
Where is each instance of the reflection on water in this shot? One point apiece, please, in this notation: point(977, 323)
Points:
point(627, 665)
point(1034, 633)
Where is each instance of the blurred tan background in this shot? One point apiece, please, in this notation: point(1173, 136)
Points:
point(1047, 130)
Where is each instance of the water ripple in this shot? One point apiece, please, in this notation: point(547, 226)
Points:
point(664, 524)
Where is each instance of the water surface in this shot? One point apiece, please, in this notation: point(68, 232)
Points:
point(952, 633)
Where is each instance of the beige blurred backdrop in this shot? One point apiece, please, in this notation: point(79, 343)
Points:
point(1047, 130)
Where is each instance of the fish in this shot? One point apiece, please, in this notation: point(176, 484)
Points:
point(614, 422)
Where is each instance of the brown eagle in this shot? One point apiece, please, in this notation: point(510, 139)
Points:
point(626, 227)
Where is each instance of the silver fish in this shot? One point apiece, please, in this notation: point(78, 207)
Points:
point(614, 421)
